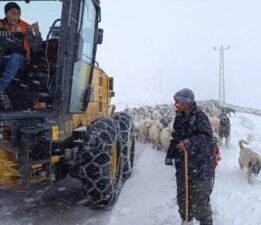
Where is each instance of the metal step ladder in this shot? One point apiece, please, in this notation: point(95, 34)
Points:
point(5, 102)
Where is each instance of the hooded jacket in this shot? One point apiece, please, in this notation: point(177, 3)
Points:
point(194, 130)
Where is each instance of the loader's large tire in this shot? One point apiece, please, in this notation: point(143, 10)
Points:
point(126, 125)
point(101, 167)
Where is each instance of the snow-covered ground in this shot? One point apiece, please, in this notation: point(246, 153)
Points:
point(148, 198)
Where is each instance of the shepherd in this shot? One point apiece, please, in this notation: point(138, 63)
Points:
point(191, 148)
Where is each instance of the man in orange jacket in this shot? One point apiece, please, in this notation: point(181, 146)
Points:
point(18, 38)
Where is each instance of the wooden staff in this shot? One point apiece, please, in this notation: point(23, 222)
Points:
point(186, 186)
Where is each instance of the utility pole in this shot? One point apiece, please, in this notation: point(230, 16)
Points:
point(221, 74)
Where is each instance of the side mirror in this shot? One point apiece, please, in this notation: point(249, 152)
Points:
point(111, 83)
point(112, 94)
point(99, 36)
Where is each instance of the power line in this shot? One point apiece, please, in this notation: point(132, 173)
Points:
point(247, 34)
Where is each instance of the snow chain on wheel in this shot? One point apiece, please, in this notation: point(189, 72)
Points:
point(101, 166)
point(127, 141)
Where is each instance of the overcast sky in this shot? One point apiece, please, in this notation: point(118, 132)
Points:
point(154, 48)
point(162, 46)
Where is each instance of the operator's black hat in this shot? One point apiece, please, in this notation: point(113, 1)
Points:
point(12, 5)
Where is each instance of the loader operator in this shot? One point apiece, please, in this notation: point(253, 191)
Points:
point(17, 39)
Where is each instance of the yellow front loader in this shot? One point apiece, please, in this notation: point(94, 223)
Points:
point(56, 117)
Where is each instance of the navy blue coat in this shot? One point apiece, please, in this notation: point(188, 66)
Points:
point(194, 130)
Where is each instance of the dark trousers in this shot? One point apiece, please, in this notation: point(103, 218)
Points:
point(199, 201)
point(11, 66)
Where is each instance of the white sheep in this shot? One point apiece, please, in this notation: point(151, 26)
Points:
point(165, 137)
point(154, 134)
point(213, 111)
point(214, 122)
point(144, 129)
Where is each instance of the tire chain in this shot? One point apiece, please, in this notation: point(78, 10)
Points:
point(126, 125)
point(100, 189)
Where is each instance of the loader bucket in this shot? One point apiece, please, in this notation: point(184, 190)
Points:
point(9, 174)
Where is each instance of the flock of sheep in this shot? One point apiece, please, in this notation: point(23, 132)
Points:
point(155, 124)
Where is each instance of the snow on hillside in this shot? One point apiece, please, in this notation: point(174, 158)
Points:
point(148, 198)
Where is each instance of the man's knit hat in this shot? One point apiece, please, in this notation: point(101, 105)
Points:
point(185, 96)
point(12, 5)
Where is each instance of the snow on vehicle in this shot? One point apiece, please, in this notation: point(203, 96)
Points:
point(55, 119)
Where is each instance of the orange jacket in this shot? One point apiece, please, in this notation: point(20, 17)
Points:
point(22, 27)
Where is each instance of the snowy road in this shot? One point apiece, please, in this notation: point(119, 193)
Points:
point(148, 197)
point(62, 204)
point(59, 206)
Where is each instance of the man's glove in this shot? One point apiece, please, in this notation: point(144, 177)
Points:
point(169, 156)
point(168, 161)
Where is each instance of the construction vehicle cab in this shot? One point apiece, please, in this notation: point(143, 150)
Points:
point(55, 117)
